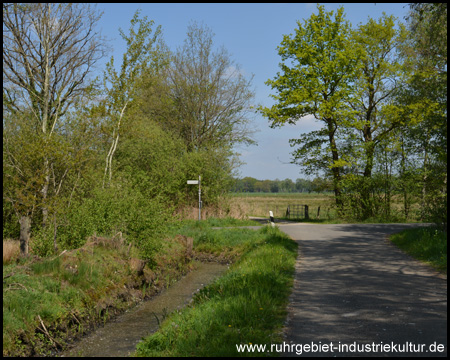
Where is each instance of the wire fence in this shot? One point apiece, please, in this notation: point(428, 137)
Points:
point(297, 211)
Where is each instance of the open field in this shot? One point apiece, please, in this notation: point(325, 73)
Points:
point(259, 204)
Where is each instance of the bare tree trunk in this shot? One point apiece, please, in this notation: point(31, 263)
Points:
point(112, 150)
point(425, 179)
point(44, 192)
point(25, 227)
point(335, 170)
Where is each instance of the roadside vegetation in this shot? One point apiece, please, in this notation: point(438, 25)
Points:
point(48, 302)
point(427, 244)
point(246, 305)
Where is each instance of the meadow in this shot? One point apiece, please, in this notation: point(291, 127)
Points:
point(259, 204)
point(322, 207)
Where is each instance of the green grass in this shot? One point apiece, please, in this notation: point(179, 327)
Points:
point(72, 290)
point(52, 289)
point(246, 305)
point(426, 244)
point(210, 222)
point(71, 293)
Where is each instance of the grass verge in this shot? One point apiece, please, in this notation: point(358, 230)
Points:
point(246, 305)
point(49, 302)
point(425, 244)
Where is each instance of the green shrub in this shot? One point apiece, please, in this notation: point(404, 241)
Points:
point(141, 220)
point(428, 244)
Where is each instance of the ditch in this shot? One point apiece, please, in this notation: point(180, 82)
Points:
point(120, 336)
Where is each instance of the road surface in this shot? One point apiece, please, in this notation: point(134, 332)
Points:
point(354, 291)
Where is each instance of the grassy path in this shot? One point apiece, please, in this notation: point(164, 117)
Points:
point(247, 305)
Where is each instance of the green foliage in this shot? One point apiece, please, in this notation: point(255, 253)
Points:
point(252, 185)
point(319, 64)
point(426, 244)
point(246, 305)
point(42, 241)
point(141, 220)
point(152, 161)
point(380, 92)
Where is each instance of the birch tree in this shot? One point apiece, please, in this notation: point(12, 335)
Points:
point(49, 50)
point(144, 47)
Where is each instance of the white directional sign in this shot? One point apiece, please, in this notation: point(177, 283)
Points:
point(198, 182)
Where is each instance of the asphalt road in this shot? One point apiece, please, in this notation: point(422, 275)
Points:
point(353, 291)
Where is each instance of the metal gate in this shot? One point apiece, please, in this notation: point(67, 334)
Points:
point(297, 212)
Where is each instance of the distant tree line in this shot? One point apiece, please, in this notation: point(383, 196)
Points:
point(252, 185)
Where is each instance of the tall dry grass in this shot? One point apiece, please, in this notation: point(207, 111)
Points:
point(11, 250)
point(191, 213)
point(260, 205)
point(241, 206)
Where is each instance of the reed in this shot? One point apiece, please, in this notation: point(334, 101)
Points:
point(11, 251)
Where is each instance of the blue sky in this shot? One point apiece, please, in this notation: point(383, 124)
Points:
point(251, 34)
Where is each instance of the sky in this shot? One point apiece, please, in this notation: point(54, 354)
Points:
point(251, 33)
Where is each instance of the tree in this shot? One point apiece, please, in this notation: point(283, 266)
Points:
point(378, 82)
point(319, 63)
point(302, 185)
point(48, 52)
point(424, 102)
point(209, 94)
point(142, 58)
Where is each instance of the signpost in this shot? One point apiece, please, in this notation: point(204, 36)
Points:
point(195, 182)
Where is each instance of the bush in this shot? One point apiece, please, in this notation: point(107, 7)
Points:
point(142, 221)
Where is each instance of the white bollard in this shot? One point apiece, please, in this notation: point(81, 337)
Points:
point(272, 221)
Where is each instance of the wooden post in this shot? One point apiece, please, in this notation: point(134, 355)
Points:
point(306, 212)
point(25, 226)
point(318, 212)
point(199, 199)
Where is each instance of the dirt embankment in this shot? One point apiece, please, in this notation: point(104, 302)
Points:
point(119, 281)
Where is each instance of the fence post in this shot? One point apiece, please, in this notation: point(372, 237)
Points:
point(272, 221)
point(306, 212)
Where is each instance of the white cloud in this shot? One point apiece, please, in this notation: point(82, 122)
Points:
point(306, 124)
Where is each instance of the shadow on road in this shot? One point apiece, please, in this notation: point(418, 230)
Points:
point(353, 285)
